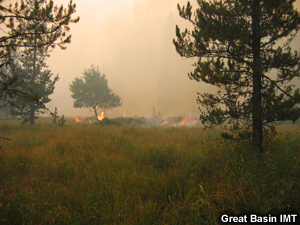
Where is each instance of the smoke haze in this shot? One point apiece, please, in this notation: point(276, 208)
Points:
point(131, 42)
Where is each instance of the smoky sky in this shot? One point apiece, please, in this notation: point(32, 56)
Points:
point(131, 42)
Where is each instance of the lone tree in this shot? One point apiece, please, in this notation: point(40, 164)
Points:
point(30, 25)
point(92, 91)
point(243, 49)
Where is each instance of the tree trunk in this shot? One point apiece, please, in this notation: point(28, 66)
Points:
point(257, 76)
point(32, 108)
point(32, 112)
point(96, 113)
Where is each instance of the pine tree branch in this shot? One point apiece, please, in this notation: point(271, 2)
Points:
point(275, 83)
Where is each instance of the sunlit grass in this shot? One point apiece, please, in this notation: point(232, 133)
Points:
point(86, 174)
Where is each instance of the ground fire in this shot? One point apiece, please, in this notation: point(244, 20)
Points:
point(176, 121)
point(101, 116)
point(80, 119)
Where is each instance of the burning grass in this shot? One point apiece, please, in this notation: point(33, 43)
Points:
point(85, 174)
point(175, 121)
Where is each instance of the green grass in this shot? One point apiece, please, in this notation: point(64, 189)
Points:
point(86, 174)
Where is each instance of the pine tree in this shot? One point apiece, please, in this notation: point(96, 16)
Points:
point(92, 91)
point(37, 82)
point(243, 49)
point(55, 115)
point(30, 25)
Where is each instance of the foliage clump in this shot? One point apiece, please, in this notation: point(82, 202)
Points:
point(62, 121)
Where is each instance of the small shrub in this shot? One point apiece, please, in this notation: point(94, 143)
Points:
point(55, 115)
point(62, 121)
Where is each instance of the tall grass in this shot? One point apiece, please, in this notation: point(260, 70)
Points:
point(132, 175)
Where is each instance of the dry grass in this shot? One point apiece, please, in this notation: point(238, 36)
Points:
point(85, 174)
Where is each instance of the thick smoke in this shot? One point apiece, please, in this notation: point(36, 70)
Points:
point(131, 42)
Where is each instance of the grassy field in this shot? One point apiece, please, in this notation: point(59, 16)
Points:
point(87, 174)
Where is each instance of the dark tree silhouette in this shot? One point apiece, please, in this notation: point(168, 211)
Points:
point(28, 26)
point(37, 82)
point(243, 49)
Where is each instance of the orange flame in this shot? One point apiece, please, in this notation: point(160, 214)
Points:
point(183, 121)
point(101, 116)
point(125, 115)
point(165, 123)
point(79, 119)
